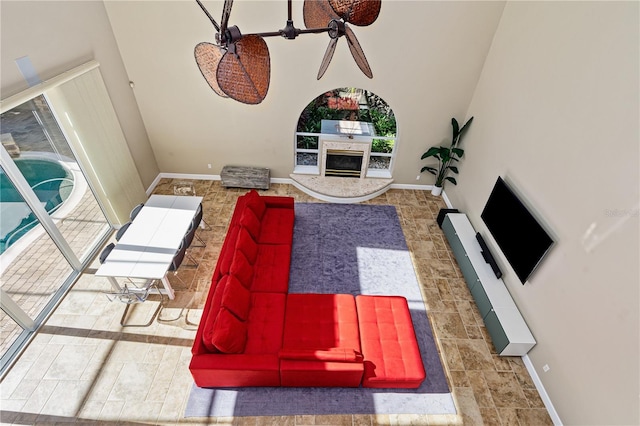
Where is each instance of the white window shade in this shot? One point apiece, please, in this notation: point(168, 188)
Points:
point(86, 116)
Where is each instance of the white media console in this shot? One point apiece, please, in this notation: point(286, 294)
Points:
point(504, 323)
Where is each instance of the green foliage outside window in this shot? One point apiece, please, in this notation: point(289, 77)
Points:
point(382, 145)
point(373, 110)
point(307, 142)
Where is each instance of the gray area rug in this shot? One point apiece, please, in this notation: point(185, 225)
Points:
point(353, 249)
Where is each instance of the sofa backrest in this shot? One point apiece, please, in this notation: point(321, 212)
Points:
point(250, 222)
point(247, 245)
point(255, 203)
point(225, 328)
point(227, 252)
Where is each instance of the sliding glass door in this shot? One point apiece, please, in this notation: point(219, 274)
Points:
point(51, 222)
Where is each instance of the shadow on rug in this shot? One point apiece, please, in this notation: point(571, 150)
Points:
point(352, 249)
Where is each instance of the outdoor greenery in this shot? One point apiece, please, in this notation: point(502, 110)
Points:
point(382, 145)
point(380, 114)
point(307, 142)
point(371, 109)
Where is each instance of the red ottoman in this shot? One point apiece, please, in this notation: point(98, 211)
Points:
point(391, 354)
point(321, 343)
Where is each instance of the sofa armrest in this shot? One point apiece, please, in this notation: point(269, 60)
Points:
point(274, 201)
point(222, 370)
point(234, 362)
point(320, 373)
point(324, 355)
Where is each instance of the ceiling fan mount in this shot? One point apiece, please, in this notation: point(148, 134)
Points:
point(238, 66)
point(336, 29)
point(230, 36)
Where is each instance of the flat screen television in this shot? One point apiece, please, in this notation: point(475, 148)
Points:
point(519, 235)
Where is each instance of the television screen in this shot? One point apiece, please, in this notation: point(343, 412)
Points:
point(523, 241)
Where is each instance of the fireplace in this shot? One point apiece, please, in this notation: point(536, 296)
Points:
point(342, 162)
point(344, 159)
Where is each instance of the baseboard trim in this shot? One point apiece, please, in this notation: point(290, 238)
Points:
point(178, 176)
point(446, 200)
point(542, 391)
point(411, 186)
point(153, 185)
point(189, 176)
point(288, 181)
point(421, 188)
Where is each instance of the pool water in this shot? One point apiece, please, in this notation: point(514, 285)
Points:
point(52, 184)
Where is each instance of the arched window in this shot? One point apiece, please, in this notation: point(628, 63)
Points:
point(346, 114)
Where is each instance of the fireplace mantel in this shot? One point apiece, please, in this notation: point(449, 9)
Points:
point(356, 146)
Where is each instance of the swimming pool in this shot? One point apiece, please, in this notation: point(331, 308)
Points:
point(52, 183)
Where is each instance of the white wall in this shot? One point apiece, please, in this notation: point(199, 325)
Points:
point(60, 35)
point(426, 59)
point(556, 114)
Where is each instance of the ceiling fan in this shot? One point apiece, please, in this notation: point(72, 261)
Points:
point(238, 65)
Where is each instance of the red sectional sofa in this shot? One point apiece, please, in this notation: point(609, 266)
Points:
point(254, 333)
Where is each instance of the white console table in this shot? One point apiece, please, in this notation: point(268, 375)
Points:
point(504, 323)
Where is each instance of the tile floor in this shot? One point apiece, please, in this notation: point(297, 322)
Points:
point(83, 367)
point(32, 287)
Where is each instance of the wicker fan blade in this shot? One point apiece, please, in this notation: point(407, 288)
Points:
point(356, 52)
point(208, 58)
point(317, 13)
point(328, 55)
point(357, 12)
point(244, 75)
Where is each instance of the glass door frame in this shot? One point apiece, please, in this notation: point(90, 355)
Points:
point(10, 307)
point(15, 312)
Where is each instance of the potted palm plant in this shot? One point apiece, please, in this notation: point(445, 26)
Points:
point(447, 157)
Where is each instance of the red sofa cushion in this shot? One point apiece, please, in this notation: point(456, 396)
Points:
point(226, 255)
point(236, 298)
point(256, 203)
point(331, 354)
point(277, 226)
point(261, 267)
point(265, 323)
point(247, 245)
point(271, 270)
point(251, 223)
point(229, 333)
point(259, 364)
point(391, 353)
point(209, 321)
point(321, 321)
point(242, 269)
